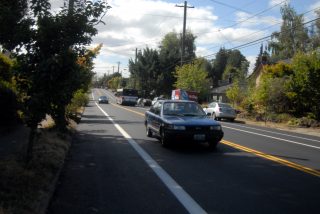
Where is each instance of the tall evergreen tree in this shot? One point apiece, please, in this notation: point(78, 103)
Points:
point(292, 38)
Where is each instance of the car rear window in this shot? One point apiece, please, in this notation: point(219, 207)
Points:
point(224, 105)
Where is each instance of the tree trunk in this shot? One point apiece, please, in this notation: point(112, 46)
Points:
point(32, 134)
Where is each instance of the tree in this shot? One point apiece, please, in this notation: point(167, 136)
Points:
point(170, 57)
point(304, 86)
point(234, 93)
point(49, 62)
point(114, 83)
point(145, 70)
point(192, 77)
point(292, 38)
point(15, 24)
point(219, 65)
point(229, 65)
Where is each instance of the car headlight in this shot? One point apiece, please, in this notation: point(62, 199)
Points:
point(217, 128)
point(175, 127)
point(179, 127)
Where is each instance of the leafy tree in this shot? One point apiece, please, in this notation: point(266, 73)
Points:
point(170, 57)
point(229, 65)
point(8, 93)
point(49, 63)
point(192, 77)
point(262, 58)
point(114, 83)
point(15, 24)
point(146, 70)
point(219, 65)
point(292, 37)
point(304, 87)
point(234, 93)
point(190, 47)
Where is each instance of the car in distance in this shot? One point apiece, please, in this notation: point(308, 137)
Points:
point(181, 121)
point(220, 111)
point(103, 99)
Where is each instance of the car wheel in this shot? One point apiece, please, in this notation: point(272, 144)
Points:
point(164, 139)
point(213, 145)
point(231, 120)
point(149, 132)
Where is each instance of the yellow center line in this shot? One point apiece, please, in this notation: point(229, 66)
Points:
point(273, 158)
point(139, 113)
point(255, 152)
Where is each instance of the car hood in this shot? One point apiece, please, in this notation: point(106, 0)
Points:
point(190, 120)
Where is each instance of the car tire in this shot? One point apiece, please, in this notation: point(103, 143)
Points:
point(149, 132)
point(164, 139)
point(213, 145)
point(231, 120)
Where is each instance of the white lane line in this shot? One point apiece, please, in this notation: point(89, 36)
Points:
point(185, 199)
point(289, 141)
point(272, 132)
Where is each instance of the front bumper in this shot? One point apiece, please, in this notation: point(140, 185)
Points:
point(194, 136)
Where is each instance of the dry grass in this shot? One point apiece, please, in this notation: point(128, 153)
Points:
point(22, 185)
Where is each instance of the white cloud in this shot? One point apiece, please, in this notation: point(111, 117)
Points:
point(278, 2)
point(252, 60)
point(249, 20)
point(132, 24)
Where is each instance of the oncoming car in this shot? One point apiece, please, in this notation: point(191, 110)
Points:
point(181, 121)
point(103, 99)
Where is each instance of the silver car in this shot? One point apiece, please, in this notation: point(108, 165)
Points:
point(220, 111)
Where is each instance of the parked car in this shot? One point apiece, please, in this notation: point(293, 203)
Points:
point(143, 102)
point(220, 111)
point(103, 99)
point(181, 121)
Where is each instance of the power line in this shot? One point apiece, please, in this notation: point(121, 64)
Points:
point(248, 44)
point(312, 10)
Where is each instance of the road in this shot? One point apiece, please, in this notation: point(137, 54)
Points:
point(114, 167)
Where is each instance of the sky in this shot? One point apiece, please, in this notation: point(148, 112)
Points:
point(131, 24)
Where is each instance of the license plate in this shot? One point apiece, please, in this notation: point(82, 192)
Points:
point(199, 137)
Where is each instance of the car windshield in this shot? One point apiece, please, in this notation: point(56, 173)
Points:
point(182, 109)
point(103, 97)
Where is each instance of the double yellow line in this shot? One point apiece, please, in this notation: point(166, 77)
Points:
point(273, 158)
point(255, 152)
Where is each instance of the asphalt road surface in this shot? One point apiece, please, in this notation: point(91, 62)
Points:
point(113, 167)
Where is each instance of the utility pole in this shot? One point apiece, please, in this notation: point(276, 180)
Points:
point(135, 59)
point(71, 6)
point(185, 6)
point(118, 66)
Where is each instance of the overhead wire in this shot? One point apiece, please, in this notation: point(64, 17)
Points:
point(248, 44)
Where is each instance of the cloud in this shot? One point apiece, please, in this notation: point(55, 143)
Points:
point(276, 2)
point(252, 60)
point(132, 24)
point(249, 20)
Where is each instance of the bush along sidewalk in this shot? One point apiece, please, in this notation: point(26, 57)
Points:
point(27, 188)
